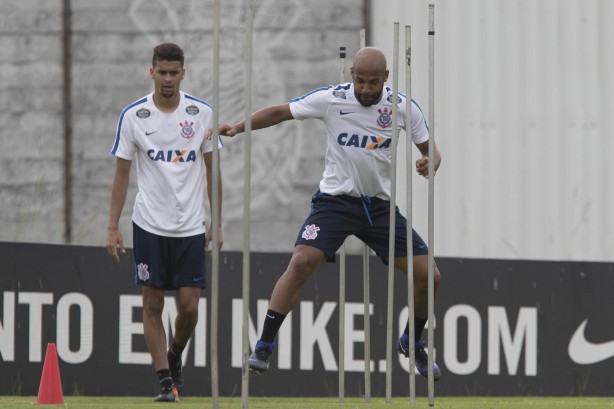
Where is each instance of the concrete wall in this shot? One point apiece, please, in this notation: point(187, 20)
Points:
point(295, 50)
point(30, 121)
point(522, 115)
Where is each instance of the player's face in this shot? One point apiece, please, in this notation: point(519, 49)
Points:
point(167, 76)
point(368, 86)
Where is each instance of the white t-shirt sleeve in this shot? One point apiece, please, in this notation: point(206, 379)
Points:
point(207, 145)
point(419, 127)
point(311, 105)
point(124, 146)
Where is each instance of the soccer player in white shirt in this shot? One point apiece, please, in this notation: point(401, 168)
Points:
point(168, 132)
point(354, 193)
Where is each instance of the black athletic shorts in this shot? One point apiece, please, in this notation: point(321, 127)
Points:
point(335, 217)
point(168, 262)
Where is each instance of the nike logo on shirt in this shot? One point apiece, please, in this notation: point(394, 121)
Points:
point(582, 351)
point(344, 113)
point(150, 133)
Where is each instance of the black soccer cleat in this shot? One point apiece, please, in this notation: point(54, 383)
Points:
point(168, 395)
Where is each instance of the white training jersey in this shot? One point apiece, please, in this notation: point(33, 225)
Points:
point(168, 148)
point(358, 154)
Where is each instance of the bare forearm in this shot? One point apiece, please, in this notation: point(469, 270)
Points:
point(118, 199)
point(219, 196)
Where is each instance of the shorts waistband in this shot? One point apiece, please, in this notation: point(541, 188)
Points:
point(355, 199)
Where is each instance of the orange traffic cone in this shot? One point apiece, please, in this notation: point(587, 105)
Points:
point(50, 389)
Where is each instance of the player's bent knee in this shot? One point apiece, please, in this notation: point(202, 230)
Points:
point(305, 260)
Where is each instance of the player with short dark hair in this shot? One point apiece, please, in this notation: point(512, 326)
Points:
point(168, 133)
point(354, 193)
point(168, 52)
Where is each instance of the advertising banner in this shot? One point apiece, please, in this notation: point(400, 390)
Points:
point(502, 327)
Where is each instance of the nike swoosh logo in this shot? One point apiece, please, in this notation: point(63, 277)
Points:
point(150, 133)
point(581, 351)
point(197, 279)
point(270, 316)
point(344, 113)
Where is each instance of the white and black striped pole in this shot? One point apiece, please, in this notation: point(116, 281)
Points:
point(215, 211)
point(431, 207)
point(342, 58)
point(366, 291)
point(392, 230)
point(410, 247)
point(247, 199)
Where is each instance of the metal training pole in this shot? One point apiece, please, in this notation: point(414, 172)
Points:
point(342, 57)
point(410, 247)
point(215, 212)
point(247, 198)
point(431, 211)
point(366, 295)
point(367, 321)
point(392, 230)
point(363, 37)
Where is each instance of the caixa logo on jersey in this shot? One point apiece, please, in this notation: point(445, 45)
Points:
point(363, 141)
point(173, 156)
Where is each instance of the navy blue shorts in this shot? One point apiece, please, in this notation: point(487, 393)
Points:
point(168, 263)
point(333, 218)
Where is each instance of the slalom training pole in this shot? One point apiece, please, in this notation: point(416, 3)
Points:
point(392, 230)
point(367, 321)
point(342, 57)
point(247, 199)
point(366, 291)
point(410, 247)
point(431, 206)
point(215, 393)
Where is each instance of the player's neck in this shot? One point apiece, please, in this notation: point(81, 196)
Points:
point(167, 105)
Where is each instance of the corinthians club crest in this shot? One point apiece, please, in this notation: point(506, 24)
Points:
point(186, 129)
point(385, 117)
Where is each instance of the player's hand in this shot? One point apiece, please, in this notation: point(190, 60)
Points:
point(228, 130)
point(209, 134)
point(115, 241)
point(422, 166)
point(209, 238)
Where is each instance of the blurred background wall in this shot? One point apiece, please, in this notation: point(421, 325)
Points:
point(523, 115)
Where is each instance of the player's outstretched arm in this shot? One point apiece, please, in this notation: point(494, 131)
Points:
point(263, 118)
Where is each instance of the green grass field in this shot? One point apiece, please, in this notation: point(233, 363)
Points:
point(84, 402)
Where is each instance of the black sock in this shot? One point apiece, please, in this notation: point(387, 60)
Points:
point(272, 322)
point(419, 324)
point(165, 378)
point(175, 349)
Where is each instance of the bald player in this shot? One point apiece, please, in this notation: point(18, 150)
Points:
point(354, 193)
